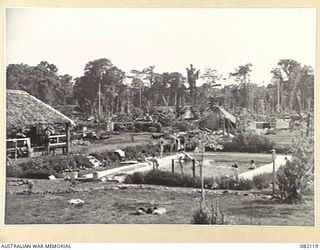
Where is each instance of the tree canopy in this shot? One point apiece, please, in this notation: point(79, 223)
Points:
point(291, 88)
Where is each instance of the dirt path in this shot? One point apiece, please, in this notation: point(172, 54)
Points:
point(139, 167)
point(268, 168)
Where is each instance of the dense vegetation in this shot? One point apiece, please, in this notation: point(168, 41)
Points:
point(44, 166)
point(165, 178)
point(145, 89)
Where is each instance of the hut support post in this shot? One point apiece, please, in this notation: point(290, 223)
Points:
point(172, 166)
point(193, 168)
point(224, 126)
point(15, 149)
point(67, 138)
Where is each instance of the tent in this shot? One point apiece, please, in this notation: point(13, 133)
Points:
point(218, 119)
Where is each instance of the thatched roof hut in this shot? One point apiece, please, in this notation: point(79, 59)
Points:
point(25, 110)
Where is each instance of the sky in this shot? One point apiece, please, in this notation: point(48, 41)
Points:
point(169, 39)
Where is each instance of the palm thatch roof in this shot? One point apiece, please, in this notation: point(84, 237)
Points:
point(25, 110)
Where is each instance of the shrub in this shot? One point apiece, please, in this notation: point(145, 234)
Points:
point(183, 126)
point(81, 160)
point(37, 174)
point(13, 171)
point(99, 156)
point(240, 184)
point(137, 178)
point(166, 178)
point(189, 181)
point(262, 181)
point(292, 181)
point(147, 126)
point(225, 182)
point(251, 143)
point(295, 176)
point(113, 157)
point(282, 149)
point(134, 152)
point(42, 167)
point(212, 216)
point(201, 216)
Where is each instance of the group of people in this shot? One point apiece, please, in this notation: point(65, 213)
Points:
point(177, 143)
point(251, 166)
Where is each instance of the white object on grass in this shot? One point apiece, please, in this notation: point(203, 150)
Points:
point(75, 201)
point(159, 211)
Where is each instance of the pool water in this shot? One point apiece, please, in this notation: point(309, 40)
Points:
point(220, 163)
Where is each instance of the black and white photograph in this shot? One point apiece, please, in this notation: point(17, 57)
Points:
point(160, 116)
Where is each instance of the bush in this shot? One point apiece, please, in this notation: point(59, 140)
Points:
point(157, 177)
point(212, 216)
point(112, 157)
point(42, 167)
point(251, 143)
point(37, 174)
point(166, 178)
point(134, 152)
point(262, 181)
point(225, 182)
point(282, 149)
point(189, 181)
point(295, 176)
point(147, 126)
point(136, 178)
point(99, 156)
point(13, 171)
point(201, 216)
point(241, 184)
point(131, 152)
point(183, 126)
point(292, 181)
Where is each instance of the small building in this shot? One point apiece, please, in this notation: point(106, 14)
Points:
point(219, 119)
point(280, 123)
point(260, 125)
point(28, 116)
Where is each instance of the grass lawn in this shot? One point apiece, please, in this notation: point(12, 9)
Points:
point(115, 142)
point(284, 137)
point(118, 206)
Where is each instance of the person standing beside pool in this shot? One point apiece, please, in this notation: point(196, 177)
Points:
point(161, 146)
point(155, 163)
